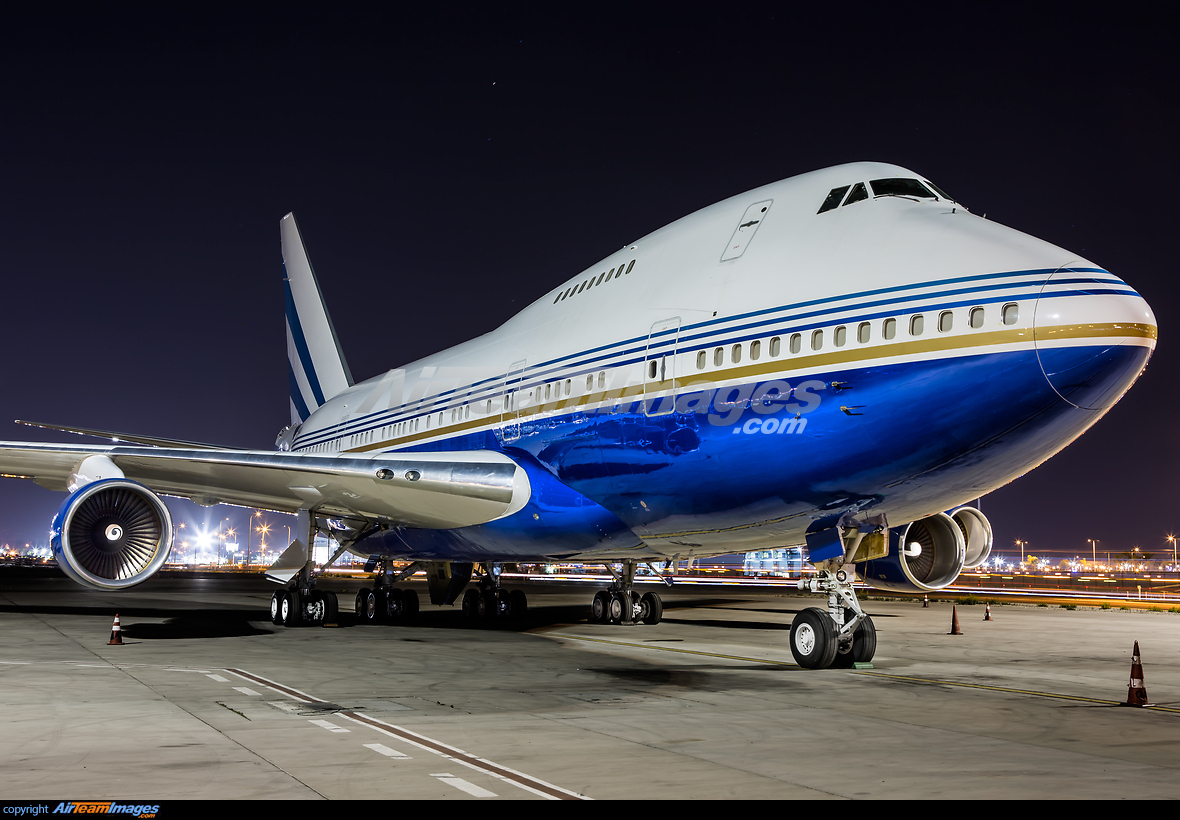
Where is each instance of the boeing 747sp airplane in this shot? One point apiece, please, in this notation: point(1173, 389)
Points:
point(842, 360)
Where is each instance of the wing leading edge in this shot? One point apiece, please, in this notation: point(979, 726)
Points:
point(428, 490)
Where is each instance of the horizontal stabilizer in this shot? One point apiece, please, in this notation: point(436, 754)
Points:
point(151, 441)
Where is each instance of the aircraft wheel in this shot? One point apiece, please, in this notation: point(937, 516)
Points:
point(485, 605)
point(470, 603)
point(600, 607)
point(291, 608)
point(651, 608)
point(393, 608)
point(371, 606)
point(520, 604)
point(276, 608)
point(331, 608)
point(813, 639)
point(361, 597)
point(861, 649)
point(614, 608)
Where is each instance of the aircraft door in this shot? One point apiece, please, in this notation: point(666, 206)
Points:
point(659, 368)
point(510, 414)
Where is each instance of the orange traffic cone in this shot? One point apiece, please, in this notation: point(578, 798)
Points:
point(955, 622)
point(116, 634)
point(987, 612)
point(1136, 691)
point(925, 602)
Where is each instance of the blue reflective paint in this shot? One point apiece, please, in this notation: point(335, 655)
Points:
point(301, 342)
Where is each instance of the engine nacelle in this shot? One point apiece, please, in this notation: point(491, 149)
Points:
point(112, 534)
point(924, 556)
point(977, 535)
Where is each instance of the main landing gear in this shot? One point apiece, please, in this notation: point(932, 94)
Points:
point(621, 604)
point(385, 603)
point(488, 601)
point(839, 637)
point(303, 606)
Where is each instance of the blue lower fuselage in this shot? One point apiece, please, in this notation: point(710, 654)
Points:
point(751, 466)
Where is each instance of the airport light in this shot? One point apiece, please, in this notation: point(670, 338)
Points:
point(1172, 541)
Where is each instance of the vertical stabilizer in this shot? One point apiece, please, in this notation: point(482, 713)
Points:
point(318, 370)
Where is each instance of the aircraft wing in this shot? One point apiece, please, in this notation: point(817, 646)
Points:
point(428, 490)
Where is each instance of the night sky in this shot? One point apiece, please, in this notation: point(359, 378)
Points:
point(455, 165)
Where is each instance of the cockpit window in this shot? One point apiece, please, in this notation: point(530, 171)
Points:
point(939, 191)
point(858, 193)
point(897, 186)
point(833, 200)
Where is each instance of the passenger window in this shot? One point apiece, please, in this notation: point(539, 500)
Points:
point(702, 360)
point(976, 318)
point(833, 200)
point(600, 278)
point(796, 342)
point(589, 382)
point(946, 321)
point(755, 351)
point(917, 324)
point(889, 328)
point(776, 345)
point(568, 386)
point(629, 266)
point(817, 340)
point(651, 369)
point(1011, 314)
point(735, 354)
point(547, 391)
point(859, 192)
point(864, 332)
point(719, 357)
point(601, 379)
point(841, 335)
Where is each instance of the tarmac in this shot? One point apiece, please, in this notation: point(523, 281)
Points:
point(206, 699)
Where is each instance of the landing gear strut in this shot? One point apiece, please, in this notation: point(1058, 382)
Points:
point(621, 604)
point(840, 636)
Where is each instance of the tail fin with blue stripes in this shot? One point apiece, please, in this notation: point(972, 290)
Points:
point(318, 370)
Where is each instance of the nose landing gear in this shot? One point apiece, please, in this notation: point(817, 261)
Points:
point(841, 636)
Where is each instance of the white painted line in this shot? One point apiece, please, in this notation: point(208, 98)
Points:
point(381, 748)
point(246, 691)
point(460, 783)
point(218, 678)
point(331, 727)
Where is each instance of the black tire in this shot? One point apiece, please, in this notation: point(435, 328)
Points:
point(409, 605)
point(600, 607)
point(331, 608)
point(520, 604)
point(276, 608)
point(470, 603)
point(614, 608)
point(485, 605)
point(292, 608)
point(864, 641)
point(371, 606)
point(361, 596)
point(813, 639)
point(651, 608)
point(393, 609)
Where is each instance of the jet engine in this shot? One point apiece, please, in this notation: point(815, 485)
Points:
point(924, 556)
point(112, 534)
point(977, 535)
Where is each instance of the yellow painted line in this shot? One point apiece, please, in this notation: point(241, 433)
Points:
point(905, 678)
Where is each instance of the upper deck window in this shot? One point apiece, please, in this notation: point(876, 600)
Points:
point(897, 186)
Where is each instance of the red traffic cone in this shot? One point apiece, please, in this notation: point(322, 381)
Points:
point(955, 622)
point(925, 602)
point(116, 634)
point(1136, 691)
point(987, 612)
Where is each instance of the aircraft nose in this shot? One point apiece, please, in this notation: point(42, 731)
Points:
point(1093, 335)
